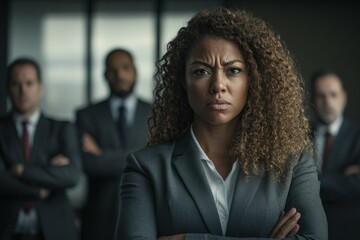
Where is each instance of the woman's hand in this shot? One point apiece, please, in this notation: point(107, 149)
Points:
point(286, 225)
point(173, 237)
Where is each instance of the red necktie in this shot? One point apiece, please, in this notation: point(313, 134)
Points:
point(28, 205)
point(328, 144)
point(25, 141)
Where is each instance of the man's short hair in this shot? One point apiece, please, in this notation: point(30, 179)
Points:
point(118, 50)
point(22, 61)
point(319, 74)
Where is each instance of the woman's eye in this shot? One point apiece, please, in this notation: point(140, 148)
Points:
point(234, 70)
point(200, 72)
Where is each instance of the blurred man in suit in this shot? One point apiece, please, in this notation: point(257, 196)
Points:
point(108, 131)
point(39, 160)
point(337, 149)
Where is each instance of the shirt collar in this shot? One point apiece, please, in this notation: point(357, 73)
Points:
point(334, 127)
point(32, 120)
point(129, 102)
point(201, 154)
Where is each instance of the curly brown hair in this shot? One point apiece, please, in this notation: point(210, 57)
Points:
point(273, 125)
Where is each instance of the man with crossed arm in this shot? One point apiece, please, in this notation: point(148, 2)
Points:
point(337, 148)
point(39, 160)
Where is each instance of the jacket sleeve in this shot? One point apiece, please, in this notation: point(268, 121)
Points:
point(110, 163)
point(337, 187)
point(304, 196)
point(54, 177)
point(12, 187)
point(137, 211)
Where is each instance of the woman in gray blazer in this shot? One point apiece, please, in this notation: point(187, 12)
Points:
point(227, 154)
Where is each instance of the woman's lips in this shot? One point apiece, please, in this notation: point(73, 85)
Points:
point(219, 104)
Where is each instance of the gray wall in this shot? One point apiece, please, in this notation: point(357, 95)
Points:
point(320, 34)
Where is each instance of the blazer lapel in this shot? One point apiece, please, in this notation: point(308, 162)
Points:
point(191, 173)
point(132, 132)
point(15, 148)
point(107, 121)
point(336, 153)
point(243, 195)
point(40, 139)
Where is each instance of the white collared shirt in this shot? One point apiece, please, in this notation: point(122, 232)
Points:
point(321, 130)
point(27, 223)
point(222, 190)
point(130, 105)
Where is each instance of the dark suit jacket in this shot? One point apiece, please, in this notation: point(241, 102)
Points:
point(164, 191)
point(340, 193)
point(104, 171)
point(55, 213)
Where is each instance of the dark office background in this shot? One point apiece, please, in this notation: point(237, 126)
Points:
point(70, 38)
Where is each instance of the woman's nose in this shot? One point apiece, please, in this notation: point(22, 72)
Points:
point(218, 83)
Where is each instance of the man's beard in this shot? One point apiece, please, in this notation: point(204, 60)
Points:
point(123, 94)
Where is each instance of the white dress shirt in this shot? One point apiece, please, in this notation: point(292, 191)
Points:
point(321, 130)
point(222, 190)
point(27, 223)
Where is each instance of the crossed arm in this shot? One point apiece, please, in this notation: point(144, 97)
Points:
point(59, 160)
point(286, 226)
point(38, 180)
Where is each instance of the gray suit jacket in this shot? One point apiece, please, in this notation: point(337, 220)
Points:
point(104, 172)
point(56, 218)
point(164, 191)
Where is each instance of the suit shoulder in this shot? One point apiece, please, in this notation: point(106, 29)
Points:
point(4, 119)
point(350, 128)
point(56, 122)
point(93, 108)
point(144, 103)
point(352, 124)
point(152, 154)
point(53, 119)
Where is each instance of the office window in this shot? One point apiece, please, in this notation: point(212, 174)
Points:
point(53, 34)
point(172, 22)
point(176, 15)
point(63, 69)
